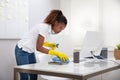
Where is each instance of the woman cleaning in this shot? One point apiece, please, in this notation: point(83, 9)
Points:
point(33, 40)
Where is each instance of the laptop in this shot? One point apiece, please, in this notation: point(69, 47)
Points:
point(92, 45)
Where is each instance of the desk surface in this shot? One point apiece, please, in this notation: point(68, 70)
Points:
point(84, 69)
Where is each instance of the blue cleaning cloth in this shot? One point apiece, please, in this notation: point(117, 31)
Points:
point(57, 59)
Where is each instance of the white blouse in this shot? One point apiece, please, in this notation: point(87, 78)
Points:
point(29, 40)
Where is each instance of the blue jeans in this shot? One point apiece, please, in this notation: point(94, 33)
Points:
point(23, 57)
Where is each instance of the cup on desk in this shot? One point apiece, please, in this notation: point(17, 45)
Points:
point(76, 54)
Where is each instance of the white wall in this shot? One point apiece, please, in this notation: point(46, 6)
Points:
point(94, 15)
point(7, 59)
point(65, 7)
point(38, 9)
point(12, 13)
point(84, 17)
point(111, 21)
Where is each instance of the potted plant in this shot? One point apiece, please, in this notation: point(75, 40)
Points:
point(117, 52)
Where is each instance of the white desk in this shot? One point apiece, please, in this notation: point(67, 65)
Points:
point(81, 71)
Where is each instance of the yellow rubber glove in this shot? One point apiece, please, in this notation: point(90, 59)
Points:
point(51, 45)
point(62, 56)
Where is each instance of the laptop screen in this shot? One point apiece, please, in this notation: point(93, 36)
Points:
point(93, 41)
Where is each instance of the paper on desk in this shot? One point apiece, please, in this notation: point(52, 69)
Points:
point(116, 61)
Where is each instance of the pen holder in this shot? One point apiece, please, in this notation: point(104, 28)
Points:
point(104, 53)
point(76, 54)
